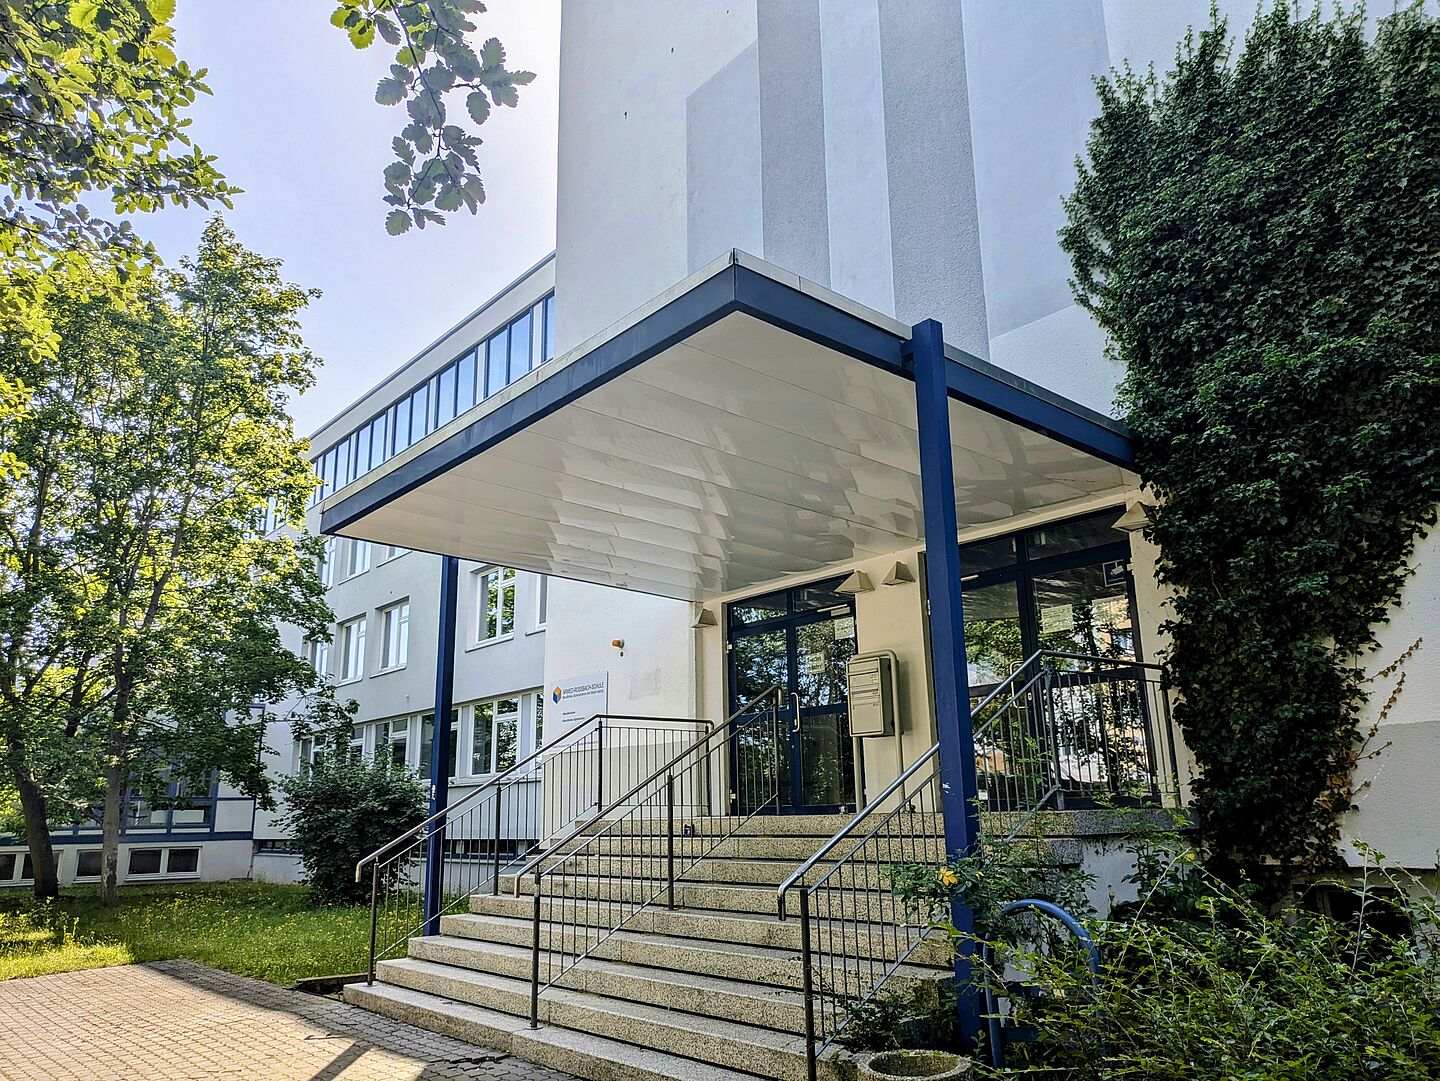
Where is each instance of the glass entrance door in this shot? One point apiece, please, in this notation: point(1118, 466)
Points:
point(799, 640)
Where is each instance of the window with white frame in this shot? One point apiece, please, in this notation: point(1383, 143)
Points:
point(328, 560)
point(495, 603)
point(394, 635)
point(427, 742)
point(304, 754)
point(359, 558)
point(352, 649)
point(14, 867)
point(317, 652)
point(494, 735)
point(87, 863)
point(389, 552)
point(391, 738)
point(542, 600)
point(539, 727)
point(163, 861)
point(357, 742)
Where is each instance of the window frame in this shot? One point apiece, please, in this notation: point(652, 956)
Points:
point(506, 578)
point(344, 633)
point(400, 611)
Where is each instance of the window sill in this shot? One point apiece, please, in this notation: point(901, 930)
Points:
point(387, 671)
point(347, 682)
point(537, 630)
point(491, 641)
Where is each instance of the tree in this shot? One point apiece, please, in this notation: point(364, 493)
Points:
point(340, 809)
point(436, 169)
point(141, 608)
point(1256, 234)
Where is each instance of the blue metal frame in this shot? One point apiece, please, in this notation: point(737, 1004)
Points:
point(440, 764)
point(958, 790)
point(739, 289)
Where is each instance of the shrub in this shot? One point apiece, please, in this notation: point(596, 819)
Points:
point(1202, 981)
point(342, 808)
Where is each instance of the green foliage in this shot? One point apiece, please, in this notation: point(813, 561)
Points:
point(271, 932)
point(140, 611)
point(1256, 234)
point(436, 169)
point(92, 98)
point(1229, 989)
point(922, 1015)
point(341, 809)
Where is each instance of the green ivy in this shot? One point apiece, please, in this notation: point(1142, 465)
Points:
point(1258, 232)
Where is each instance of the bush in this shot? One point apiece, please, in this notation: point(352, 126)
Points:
point(342, 808)
point(1202, 981)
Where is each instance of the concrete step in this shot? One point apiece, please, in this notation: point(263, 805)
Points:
point(877, 905)
point(775, 966)
point(656, 845)
point(583, 1054)
point(822, 827)
point(735, 872)
point(753, 1004)
point(756, 929)
point(767, 1052)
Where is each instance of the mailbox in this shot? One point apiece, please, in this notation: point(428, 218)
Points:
point(870, 679)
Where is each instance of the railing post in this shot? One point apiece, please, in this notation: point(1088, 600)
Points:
point(535, 958)
point(600, 763)
point(958, 788)
point(808, 984)
point(495, 886)
point(670, 840)
point(374, 911)
point(440, 764)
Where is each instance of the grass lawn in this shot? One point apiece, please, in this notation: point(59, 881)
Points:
point(257, 929)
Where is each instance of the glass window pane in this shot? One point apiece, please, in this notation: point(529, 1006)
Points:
point(520, 346)
point(1086, 610)
point(819, 595)
point(445, 397)
point(987, 556)
point(465, 383)
point(507, 728)
point(481, 743)
point(344, 469)
point(377, 440)
point(550, 327)
point(1073, 536)
point(496, 361)
point(402, 424)
point(993, 646)
point(87, 866)
point(420, 413)
point(755, 609)
point(183, 861)
point(362, 451)
point(145, 861)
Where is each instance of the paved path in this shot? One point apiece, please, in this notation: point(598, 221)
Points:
point(178, 1021)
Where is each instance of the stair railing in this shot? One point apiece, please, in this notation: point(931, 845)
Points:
point(1061, 730)
point(610, 869)
point(506, 817)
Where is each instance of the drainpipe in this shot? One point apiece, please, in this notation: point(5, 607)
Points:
point(958, 790)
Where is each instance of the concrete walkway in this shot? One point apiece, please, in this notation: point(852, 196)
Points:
point(177, 1021)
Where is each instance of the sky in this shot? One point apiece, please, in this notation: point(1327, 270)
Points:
point(293, 121)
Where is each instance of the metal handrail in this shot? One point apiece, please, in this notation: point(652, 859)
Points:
point(579, 830)
point(890, 789)
point(499, 778)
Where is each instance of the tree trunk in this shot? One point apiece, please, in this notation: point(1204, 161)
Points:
point(116, 782)
point(37, 835)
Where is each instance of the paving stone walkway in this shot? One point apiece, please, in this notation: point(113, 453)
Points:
point(178, 1021)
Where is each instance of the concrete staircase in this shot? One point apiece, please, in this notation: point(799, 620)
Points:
point(707, 991)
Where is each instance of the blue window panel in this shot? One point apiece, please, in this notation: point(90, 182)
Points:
point(420, 413)
point(346, 470)
point(496, 360)
point(401, 424)
point(520, 346)
point(445, 396)
point(332, 469)
point(465, 383)
point(550, 327)
point(377, 440)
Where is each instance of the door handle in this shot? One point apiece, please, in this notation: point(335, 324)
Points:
point(796, 726)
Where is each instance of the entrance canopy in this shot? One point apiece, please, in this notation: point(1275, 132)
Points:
point(744, 427)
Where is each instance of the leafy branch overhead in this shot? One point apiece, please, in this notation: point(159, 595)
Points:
point(436, 169)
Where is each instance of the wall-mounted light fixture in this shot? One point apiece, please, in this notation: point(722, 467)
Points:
point(706, 618)
point(858, 582)
point(899, 574)
point(1135, 518)
point(619, 643)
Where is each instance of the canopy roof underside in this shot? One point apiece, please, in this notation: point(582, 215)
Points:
point(721, 454)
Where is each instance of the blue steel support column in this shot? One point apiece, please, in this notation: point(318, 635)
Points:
point(947, 638)
point(440, 764)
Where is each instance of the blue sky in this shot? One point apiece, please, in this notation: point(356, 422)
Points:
point(293, 121)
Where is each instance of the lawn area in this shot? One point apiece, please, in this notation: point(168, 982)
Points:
point(258, 929)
